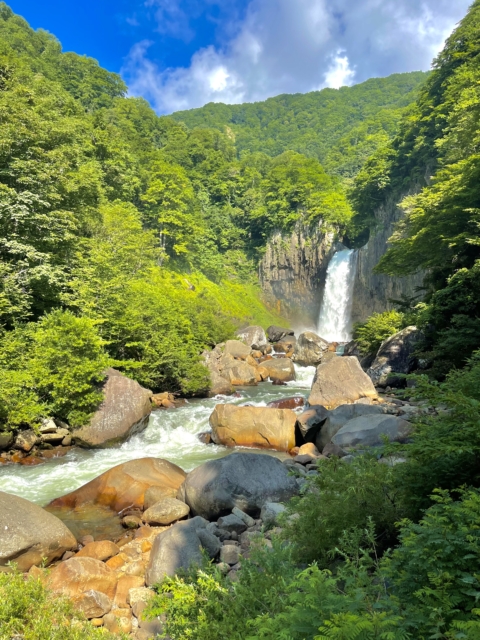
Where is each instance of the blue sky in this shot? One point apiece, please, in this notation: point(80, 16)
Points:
point(180, 54)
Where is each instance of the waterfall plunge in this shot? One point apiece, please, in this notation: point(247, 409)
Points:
point(334, 322)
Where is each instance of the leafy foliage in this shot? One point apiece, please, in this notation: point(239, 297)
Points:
point(341, 128)
point(379, 326)
point(342, 496)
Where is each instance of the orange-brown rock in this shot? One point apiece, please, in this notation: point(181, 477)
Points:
point(124, 585)
point(124, 486)
point(123, 412)
point(309, 449)
point(76, 576)
point(340, 381)
point(164, 399)
point(100, 550)
point(287, 403)
point(93, 604)
point(260, 427)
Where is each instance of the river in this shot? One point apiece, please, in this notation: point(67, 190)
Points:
point(170, 434)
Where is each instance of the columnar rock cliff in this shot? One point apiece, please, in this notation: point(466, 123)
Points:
point(372, 292)
point(293, 270)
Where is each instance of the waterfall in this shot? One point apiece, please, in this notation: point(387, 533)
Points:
point(334, 322)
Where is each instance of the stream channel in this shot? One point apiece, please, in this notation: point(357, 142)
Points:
point(171, 434)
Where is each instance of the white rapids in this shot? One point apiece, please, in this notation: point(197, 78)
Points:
point(170, 434)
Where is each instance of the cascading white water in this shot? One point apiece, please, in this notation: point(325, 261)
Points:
point(334, 323)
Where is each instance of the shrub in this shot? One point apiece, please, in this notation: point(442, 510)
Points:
point(29, 611)
point(376, 329)
point(52, 367)
point(340, 497)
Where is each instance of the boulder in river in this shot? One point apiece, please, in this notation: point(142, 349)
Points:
point(243, 480)
point(287, 403)
point(310, 349)
point(254, 337)
point(275, 333)
point(278, 370)
point(260, 427)
point(124, 486)
point(124, 411)
point(28, 533)
point(340, 381)
point(367, 431)
point(395, 356)
point(309, 423)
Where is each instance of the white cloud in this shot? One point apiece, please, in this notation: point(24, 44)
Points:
point(288, 46)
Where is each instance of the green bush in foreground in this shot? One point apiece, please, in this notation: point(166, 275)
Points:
point(29, 612)
point(376, 329)
point(340, 497)
point(427, 588)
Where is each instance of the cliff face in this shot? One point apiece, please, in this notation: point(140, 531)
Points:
point(293, 271)
point(372, 292)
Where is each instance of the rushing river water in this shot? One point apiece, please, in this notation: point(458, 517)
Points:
point(170, 434)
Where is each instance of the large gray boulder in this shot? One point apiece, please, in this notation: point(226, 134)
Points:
point(340, 381)
point(275, 333)
point(177, 548)
point(253, 337)
point(309, 349)
point(337, 418)
point(29, 534)
point(237, 349)
point(310, 421)
point(395, 356)
point(124, 411)
point(367, 431)
point(243, 480)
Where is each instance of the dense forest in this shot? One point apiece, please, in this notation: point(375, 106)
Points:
point(136, 234)
point(340, 128)
point(132, 240)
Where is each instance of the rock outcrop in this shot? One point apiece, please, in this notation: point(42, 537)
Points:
point(309, 349)
point(243, 480)
point(260, 427)
point(395, 356)
point(340, 381)
point(124, 411)
point(29, 534)
point(125, 485)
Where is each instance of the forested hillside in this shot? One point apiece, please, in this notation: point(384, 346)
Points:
point(437, 153)
point(339, 127)
point(132, 233)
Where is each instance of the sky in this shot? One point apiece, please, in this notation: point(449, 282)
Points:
point(181, 54)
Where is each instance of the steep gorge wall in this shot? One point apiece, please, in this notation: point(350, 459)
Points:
point(372, 292)
point(293, 271)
